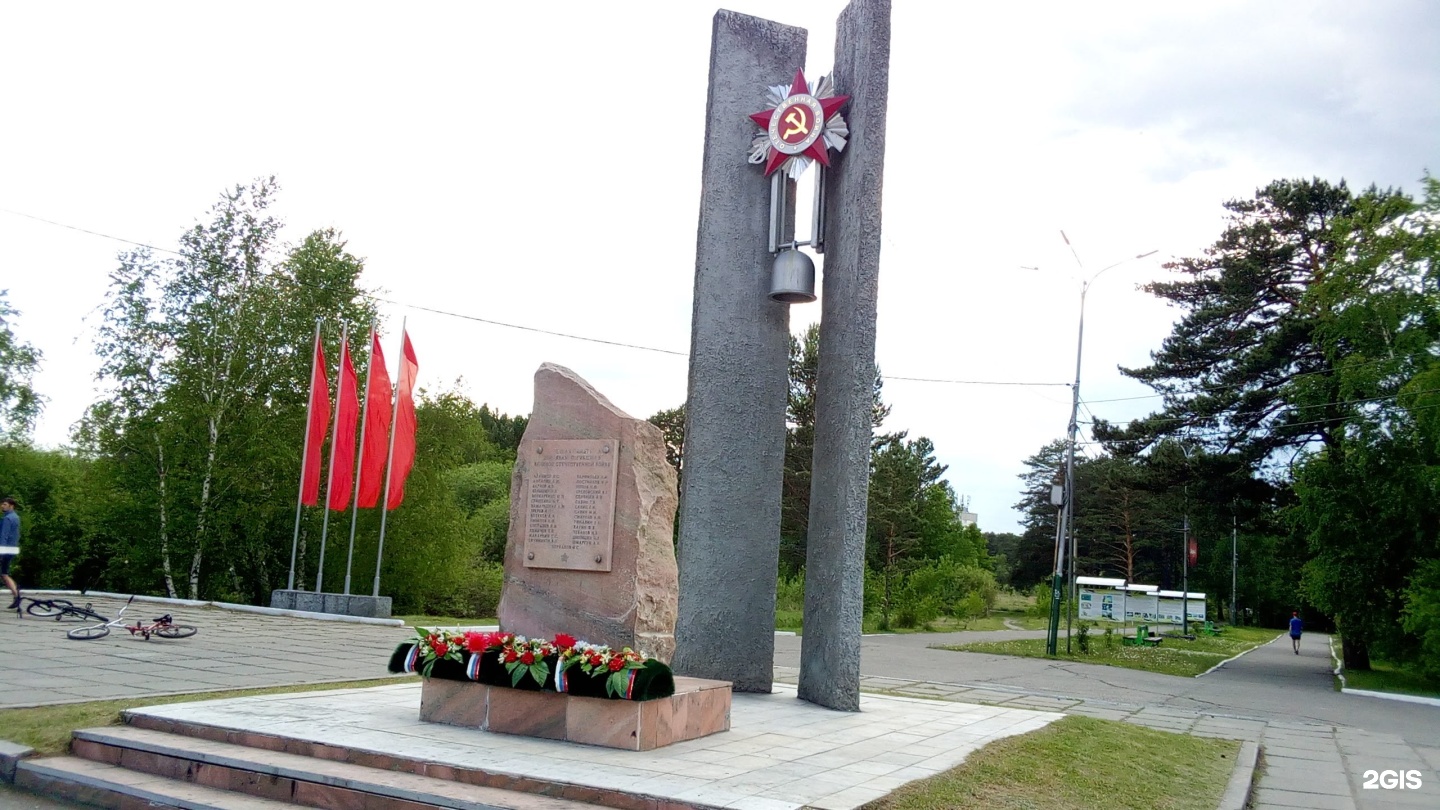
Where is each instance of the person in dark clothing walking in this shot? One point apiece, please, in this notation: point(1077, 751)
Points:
point(9, 546)
point(1295, 625)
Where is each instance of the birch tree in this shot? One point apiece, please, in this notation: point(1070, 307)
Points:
point(205, 354)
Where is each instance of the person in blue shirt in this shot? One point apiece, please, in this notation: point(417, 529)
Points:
point(9, 546)
point(1295, 624)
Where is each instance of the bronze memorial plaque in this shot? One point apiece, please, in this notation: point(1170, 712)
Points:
point(569, 504)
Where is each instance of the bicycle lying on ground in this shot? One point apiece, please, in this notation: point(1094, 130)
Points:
point(46, 608)
point(62, 610)
point(163, 627)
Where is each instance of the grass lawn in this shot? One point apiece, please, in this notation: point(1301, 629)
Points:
point(1173, 657)
point(997, 619)
point(1387, 677)
point(47, 728)
point(1080, 763)
point(790, 620)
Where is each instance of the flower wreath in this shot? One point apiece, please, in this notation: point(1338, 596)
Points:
point(523, 656)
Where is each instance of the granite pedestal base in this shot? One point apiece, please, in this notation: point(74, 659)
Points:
point(342, 604)
point(697, 709)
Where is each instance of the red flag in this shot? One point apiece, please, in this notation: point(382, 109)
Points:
point(347, 417)
point(1194, 551)
point(315, 430)
point(378, 403)
point(403, 455)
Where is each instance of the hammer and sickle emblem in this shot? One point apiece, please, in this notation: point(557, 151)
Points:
point(796, 120)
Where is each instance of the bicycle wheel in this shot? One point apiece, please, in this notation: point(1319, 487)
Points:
point(47, 608)
point(79, 614)
point(88, 633)
point(174, 631)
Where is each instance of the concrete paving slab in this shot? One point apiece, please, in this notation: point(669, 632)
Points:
point(1288, 800)
point(232, 650)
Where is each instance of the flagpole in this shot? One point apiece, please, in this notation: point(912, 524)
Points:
point(305, 453)
point(360, 456)
point(390, 457)
point(334, 436)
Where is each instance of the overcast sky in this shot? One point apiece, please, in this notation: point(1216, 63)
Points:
point(541, 168)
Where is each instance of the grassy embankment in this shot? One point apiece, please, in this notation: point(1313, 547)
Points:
point(1387, 676)
point(1175, 656)
point(1011, 611)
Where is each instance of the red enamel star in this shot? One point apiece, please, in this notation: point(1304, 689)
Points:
point(795, 127)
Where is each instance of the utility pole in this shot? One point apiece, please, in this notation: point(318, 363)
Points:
point(1234, 562)
point(1067, 521)
point(1057, 499)
point(1185, 576)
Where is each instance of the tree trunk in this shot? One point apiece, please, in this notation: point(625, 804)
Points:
point(200, 519)
point(300, 577)
point(889, 564)
point(1355, 653)
point(164, 522)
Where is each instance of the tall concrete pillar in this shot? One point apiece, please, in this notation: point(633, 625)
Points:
point(835, 556)
point(739, 357)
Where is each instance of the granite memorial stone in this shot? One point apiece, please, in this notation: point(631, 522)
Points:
point(590, 551)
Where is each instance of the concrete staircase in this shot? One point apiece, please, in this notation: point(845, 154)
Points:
point(197, 768)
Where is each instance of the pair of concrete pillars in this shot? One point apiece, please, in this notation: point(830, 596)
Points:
point(739, 364)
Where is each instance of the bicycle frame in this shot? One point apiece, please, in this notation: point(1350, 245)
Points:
point(163, 627)
point(118, 621)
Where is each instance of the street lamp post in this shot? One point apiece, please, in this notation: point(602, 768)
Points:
point(1067, 522)
point(1185, 575)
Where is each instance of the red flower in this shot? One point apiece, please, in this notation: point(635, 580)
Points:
point(511, 657)
point(617, 663)
point(528, 658)
point(440, 647)
point(477, 642)
point(564, 641)
point(596, 660)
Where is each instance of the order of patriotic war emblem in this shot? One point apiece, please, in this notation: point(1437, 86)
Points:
point(796, 124)
point(800, 126)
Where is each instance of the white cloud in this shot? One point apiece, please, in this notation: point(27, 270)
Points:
point(541, 168)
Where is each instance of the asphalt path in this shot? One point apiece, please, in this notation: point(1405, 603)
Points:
point(1270, 682)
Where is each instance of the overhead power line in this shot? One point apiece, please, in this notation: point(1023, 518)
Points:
point(889, 377)
point(477, 318)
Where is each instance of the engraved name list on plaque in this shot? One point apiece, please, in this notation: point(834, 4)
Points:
point(569, 504)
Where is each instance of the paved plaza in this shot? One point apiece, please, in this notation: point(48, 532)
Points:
point(232, 650)
point(1318, 743)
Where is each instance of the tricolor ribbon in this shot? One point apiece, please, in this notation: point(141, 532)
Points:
point(472, 667)
point(630, 685)
point(411, 657)
point(562, 682)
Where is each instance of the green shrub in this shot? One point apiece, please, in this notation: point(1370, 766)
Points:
point(480, 594)
point(790, 592)
point(1421, 615)
point(1082, 637)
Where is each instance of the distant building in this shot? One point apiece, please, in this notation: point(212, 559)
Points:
point(968, 518)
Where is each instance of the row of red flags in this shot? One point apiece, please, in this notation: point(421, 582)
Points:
point(378, 411)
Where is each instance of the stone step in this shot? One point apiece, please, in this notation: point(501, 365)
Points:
point(292, 778)
point(192, 733)
point(101, 785)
